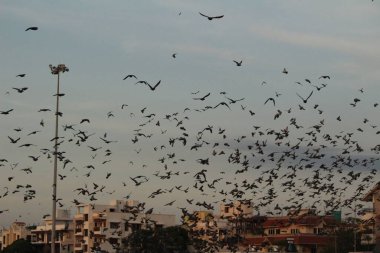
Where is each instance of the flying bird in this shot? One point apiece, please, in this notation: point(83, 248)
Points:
point(32, 28)
point(20, 90)
point(211, 18)
point(153, 87)
point(238, 63)
point(203, 98)
point(6, 112)
point(21, 75)
point(303, 99)
point(270, 99)
point(130, 76)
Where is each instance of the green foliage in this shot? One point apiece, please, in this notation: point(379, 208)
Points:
point(165, 240)
point(20, 246)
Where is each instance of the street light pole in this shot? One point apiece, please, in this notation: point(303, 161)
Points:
point(55, 71)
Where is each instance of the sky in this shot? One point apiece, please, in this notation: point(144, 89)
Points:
point(103, 42)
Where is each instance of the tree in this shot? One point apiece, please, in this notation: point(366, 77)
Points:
point(165, 240)
point(20, 246)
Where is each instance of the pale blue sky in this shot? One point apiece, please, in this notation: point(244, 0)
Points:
point(103, 41)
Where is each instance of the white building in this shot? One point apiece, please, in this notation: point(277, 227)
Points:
point(102, 227)
point(374, 196)
point(41, 235)
point(17, 230)
point(236, 209)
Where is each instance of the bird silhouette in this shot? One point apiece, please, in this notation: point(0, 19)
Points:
point(270, 99)
point(6, 112)
point(153, 87)
point(130, 76)
point(32, 28)
point(211, 17)
point(20, 90)
point(305, 99)
point(238, 63)
point(203, 98)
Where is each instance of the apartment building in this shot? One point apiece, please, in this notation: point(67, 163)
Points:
point(374, 196)
point(236, 209)
point(102, 227)
point(41, 234)
point(17, 230)
point(307, 231)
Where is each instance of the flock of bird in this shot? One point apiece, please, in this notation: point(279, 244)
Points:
point(287, 163)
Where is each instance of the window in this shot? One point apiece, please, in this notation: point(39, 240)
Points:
point(86, 217)
point(112, 210)
point(274, 231)
point(318, 231)
point(226, 209)
point(294, 231)
point(114, 225)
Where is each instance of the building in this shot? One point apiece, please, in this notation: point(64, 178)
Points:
point(367, 226)
point(306, 231)
point(374, 196)
point(236, 209)
point(102, 227)
point(41, 234)
point(17, 230)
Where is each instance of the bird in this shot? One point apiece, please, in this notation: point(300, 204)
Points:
point(303, 99)
point(20, 90)
point(21, 75)
point(285, 71)
point(324, 77)
point(153, 87)
point(238, 63)
point(203, 98)
point(130, 76)
point(222, 103)
point(6, 112)
point(211, 17)
point(13, 140)
point(84, 120)
point(270, 99)
point(44, 110)
point(174, 55)
point(32, 28)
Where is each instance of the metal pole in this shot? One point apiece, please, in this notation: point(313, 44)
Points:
point(355, 229)
point(54, 211)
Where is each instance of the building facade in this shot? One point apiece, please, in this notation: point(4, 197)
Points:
point(306, 231)
point(17, 230)
point(41, 234)
point(101, 228)
point(374, 196)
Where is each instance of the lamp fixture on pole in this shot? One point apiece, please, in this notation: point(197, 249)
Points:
point(55, 70)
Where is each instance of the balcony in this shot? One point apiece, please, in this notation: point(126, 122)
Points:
point(78, 232)
point(79, 216)
point(99, 216)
